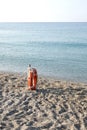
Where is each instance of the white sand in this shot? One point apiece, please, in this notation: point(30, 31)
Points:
point(55, 105)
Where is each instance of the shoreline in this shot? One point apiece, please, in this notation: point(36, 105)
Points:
point(45, 76)
point(54, 105)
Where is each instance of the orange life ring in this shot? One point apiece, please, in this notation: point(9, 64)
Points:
point(32, 79)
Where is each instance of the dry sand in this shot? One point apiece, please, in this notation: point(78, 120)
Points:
point(55, 105)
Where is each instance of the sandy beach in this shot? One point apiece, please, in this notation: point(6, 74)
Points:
point(55, 105)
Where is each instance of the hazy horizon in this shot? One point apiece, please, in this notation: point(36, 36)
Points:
point(43, 11)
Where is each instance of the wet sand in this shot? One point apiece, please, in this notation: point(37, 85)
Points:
point(55, 105)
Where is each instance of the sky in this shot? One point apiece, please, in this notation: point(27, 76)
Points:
point(43, 10)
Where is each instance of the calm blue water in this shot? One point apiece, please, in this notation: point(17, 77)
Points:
point(55, 49)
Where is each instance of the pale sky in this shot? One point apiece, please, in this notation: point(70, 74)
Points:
point(43, 10)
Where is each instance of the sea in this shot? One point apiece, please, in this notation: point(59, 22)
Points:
point(55, 49)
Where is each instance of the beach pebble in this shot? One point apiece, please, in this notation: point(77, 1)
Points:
point(1, 111)
point(2, 125)
point(85, 121)
point(12, 112)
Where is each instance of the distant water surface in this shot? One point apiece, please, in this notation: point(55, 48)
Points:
point(57, 50)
